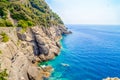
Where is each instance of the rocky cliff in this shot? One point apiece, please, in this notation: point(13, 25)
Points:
point(24, 50)
point(29, 33)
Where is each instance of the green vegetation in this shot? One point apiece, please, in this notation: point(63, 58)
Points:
point(0, 52)
point(8, 23)
point(2, 23)
point(27, 13)
point(3, 0)
point(5, 37)
point(3, 10)
point(25, 24)
point(3, 75)
point(5, 23)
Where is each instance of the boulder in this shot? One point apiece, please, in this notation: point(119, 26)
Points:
point(34, 73)
point(67, 32)
point(50, 56)
point(46, 75)
point(48, 69)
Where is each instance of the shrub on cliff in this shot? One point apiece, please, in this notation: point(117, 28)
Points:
point(30, 23)
point(5, 23)
point(25, 24)
point(3, 10)
point(19, 16)
point(5, 37)
point(0, 52)
point(8, 23)
point(3, 0)
point(3, 75)
point(22, 24)
point(2, 23)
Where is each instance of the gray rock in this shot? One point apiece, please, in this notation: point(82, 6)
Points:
point(21, 36)
point(67, 32)
point(43, 50)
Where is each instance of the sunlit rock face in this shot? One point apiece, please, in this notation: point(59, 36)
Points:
point(23, 50)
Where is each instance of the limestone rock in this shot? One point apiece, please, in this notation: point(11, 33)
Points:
point(24, 50)
point(39, 40)
point(115, 78)
point(50, 56)
point(46, 74)
point(48, 69)
point(34, 73)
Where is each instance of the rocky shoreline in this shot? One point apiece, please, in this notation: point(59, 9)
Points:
point(115, 78)
point(24, 50)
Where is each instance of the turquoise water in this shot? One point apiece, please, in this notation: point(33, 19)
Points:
point(89, 53)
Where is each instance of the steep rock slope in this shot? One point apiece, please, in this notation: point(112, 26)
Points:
point(23, 50)
point(29, 34)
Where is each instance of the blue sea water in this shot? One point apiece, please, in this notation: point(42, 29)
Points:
point(92, 52)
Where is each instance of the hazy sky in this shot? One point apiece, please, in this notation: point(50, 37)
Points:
point(87, 11)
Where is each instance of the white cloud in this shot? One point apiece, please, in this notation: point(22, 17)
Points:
point(87, 11)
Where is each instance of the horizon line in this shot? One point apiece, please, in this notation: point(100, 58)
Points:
point(96, 24)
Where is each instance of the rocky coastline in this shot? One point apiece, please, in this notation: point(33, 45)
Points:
point(115, 78)
point(24, 50)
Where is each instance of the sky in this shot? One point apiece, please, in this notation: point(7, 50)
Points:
point(87, 11)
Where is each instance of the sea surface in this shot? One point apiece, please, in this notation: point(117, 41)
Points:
point(91, 52)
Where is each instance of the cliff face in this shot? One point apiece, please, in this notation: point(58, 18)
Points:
point(23, 50)
point(23, 46)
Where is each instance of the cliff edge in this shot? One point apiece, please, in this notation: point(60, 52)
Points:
point(29, 34)
point(23, 51)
